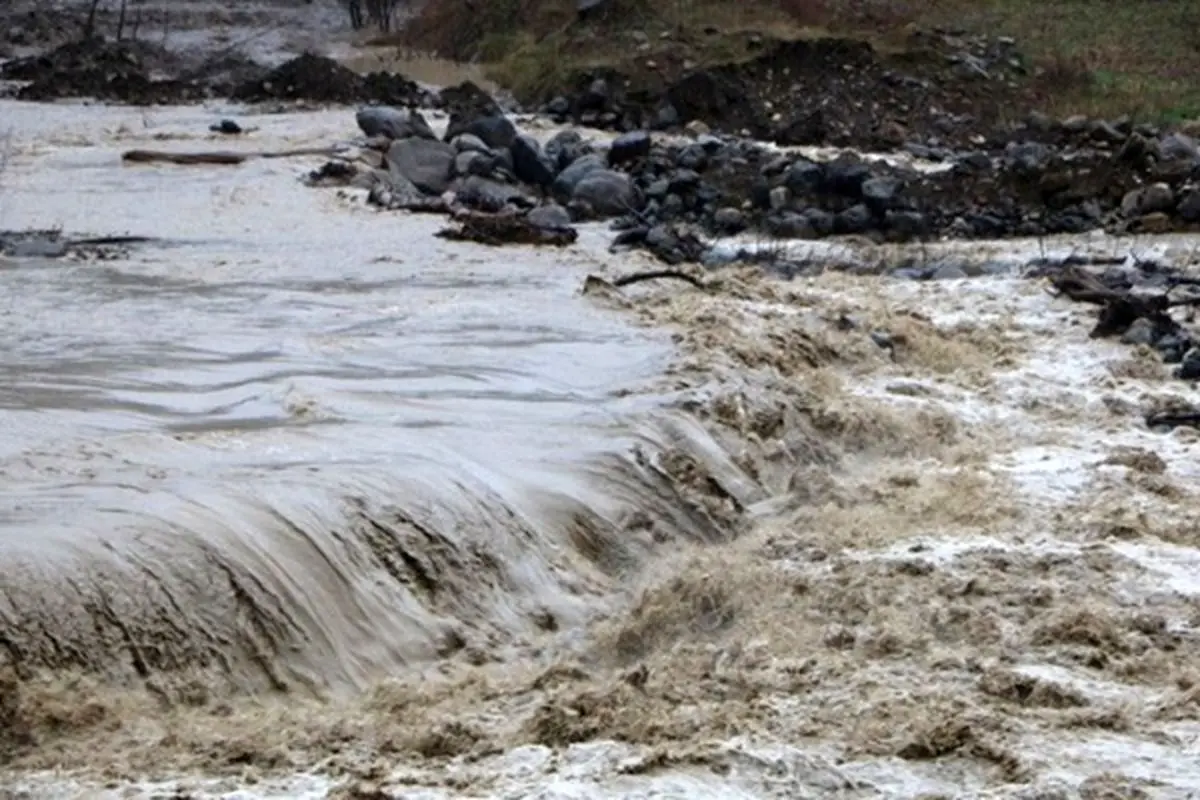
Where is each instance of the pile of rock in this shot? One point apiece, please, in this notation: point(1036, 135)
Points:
point(659, 191)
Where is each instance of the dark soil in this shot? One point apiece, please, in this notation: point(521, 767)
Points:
point(131, 72)
point(941, 91)
point(138, 73)
point(318, 79)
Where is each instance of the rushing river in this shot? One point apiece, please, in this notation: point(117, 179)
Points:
point(296, 441)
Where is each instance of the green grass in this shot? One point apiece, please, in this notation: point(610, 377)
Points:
point(1101, 58)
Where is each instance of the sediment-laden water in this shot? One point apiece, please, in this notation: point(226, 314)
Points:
point(295, 443)
point(462, 515)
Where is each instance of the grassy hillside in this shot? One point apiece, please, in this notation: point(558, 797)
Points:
point(1101, 57)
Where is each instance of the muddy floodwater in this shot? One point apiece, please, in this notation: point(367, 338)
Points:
point(299, 500)
point(229, 396)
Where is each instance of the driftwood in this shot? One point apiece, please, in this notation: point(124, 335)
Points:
point(219, 156)
point(502, 229)
point(670, 274)
point(1118, 308)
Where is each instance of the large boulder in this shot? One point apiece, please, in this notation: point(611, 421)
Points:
point(394, 123)
point(530, 165)
point(427, 163)
point(606, 192)
point(569, 178)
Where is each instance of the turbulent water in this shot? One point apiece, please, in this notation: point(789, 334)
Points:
point(295, 442)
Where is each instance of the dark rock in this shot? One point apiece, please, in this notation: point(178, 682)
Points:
point(729, 220)
point(227, 127)
point(473, 162)
point(856, 219)
point(530, 165)
point(879, 193)
point(394, 123)
point(823, 222)
point(658, 190)
point(1141, 332)
point(907, 225)
point(946, 272)
point(497, 131)
point(1178, 146)
point(804, 178)
point(1189, 205)
point(558, 107)
point(666, 117)
point(564, 148)
point(1189, 368)
point(464, 103)
point(550, 215)
point(684, 181)
point(845, 176)
point(426, 163)
point(606, 192)
point(485, 194)
point(789, 225)
point(466, 142)
point(629, 147)
point(569, 178)
point(693, 157)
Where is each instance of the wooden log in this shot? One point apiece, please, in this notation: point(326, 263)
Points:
point(221, 157)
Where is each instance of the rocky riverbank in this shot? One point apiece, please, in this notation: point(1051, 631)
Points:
point(663, 192)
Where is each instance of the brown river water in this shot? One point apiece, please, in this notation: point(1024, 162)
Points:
point(299, 496)
point(294, 444)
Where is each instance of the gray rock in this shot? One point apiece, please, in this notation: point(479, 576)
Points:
point(822, 221)
point(666, 117)
point(530, 165)
point(467, 142)
point(947, 272)
point(1189, 206)
point(1148, 200)
point(1189, 368)
point(730, 220)
point(804, 177)
point(878, 193)
point(427, 163)
point(779, 198)
point(569, 178)
point(564, 148)
point(608, 193)
point(693, 157)
point(684, 181)
point(486, 194)
point(789, 225)
point(629, 147)
point(394, 123)
point(1028, 157)
point(1178, 146)
point(856, 219)
point(659, 189)
point(497, 132)
point(1142, 331)
point(473, 162)
point(551, 215)
point(907, 224)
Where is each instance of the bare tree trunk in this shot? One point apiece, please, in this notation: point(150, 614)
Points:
point(121, 20)
point(89, 27)
point(137, 20)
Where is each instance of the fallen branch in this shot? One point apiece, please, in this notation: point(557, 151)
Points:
point(219, 156)
point(1120, 308)
point(673, 274)
point(1173, 419)
point(502, 229)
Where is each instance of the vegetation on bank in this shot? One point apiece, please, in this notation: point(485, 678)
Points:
point(1099, 57)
